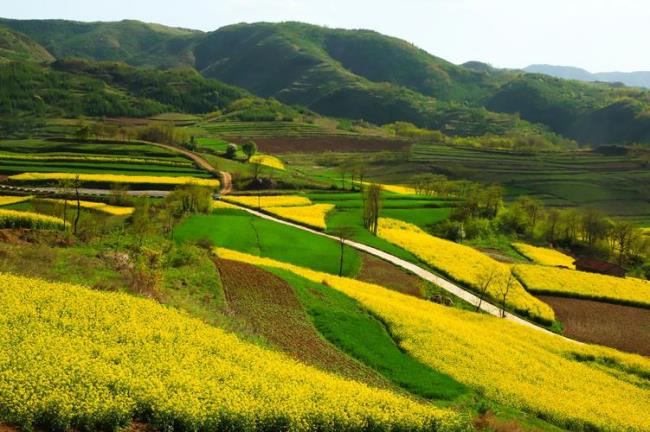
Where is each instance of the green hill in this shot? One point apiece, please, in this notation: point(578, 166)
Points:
point(133, 42)
point(15, 46)
point(361, 74)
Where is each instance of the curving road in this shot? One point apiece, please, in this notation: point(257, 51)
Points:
point(417, 270)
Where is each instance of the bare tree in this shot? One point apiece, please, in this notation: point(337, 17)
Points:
point(504, 285)
point(342, 233)
point(76, 185)
point(371, 207)
point(63, 187)
point(488, 276)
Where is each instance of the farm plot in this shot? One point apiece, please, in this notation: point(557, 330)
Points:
point(293, 208)
point(626, 328)
point(107, 179)
point(572, 283)
point(544, 256)
point(23, 219)
point(81, 367)
point(347, 215)
point(350, 327)
point(466, 265)
point(568, 384)
point(236, 229)
point(615, 184)
point(93, 158)
point(269, 305)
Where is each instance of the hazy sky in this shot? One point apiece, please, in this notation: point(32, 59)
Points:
point(599, 35)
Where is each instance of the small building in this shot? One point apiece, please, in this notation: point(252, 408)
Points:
point(602, 267)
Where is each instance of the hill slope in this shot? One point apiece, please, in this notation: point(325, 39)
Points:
point(362, 74)
point(15, 46)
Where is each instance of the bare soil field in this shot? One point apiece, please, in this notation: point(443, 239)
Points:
point(622, 327)
point(377, 271)
point(325, 143)
point(269, 305)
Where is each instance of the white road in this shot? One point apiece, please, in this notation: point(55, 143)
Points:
point(415, 269)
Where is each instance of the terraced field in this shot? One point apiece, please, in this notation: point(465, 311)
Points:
point(251, 130)
point(615, 184)
point(93, 158)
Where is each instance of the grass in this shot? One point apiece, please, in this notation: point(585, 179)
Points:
point(348, 213)
point(238, 230)
point(354, 330)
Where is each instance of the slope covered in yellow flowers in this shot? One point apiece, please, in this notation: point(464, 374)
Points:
point(75, 358)
point(579, 386)
point(464, 264)
point(573, 283)
point(544, 256)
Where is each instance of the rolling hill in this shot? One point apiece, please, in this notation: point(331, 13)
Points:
point(361, 74)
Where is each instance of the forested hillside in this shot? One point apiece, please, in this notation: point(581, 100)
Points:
point(356, 74)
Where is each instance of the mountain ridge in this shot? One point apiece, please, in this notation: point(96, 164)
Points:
point(630, 79)
point(363, 75)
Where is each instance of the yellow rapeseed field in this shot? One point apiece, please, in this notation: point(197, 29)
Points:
point(267, 160)
point(97, 206)
point(312, 215)
point(21, 219)
point(464, 264)
point(73, 358)
point(254, 201)
point(544, 256)
point(573, 283)
point(9, 200)
point(577, 386)
point(115, 178)
point(221, 204)
point(401, 190)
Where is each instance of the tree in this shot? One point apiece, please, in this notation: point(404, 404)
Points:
point(231, 151)
point(371, 207)
point(503, 287)
point(76, 184)
point(488, 276)
point(82, 133)
point(141, 220)
point(594, 226)
point(342, 233)
point(622, 236)
point(553, 218)
point(64, 187)
point(249, 148)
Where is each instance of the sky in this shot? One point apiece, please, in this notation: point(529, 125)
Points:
point(598, 35)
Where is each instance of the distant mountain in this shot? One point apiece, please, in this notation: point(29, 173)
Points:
point(359, 74)
point(630, 79)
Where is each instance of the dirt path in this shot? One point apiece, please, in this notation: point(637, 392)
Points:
point(418, 271)
point(270, 307)
point(199, 160)
point(226, 183)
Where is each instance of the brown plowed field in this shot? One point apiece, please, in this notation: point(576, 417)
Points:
point(268, 304)
point(377, 271)
point(622, 327)
point(325, 143)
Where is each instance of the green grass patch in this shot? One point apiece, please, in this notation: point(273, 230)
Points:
point(343, 322)
point(243, 232)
